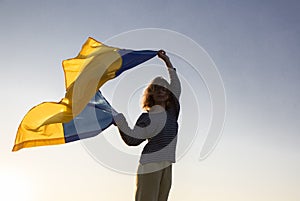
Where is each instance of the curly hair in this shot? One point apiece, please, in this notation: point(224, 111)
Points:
point(148, 101)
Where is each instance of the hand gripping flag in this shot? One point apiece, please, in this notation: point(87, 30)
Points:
point(83, 112)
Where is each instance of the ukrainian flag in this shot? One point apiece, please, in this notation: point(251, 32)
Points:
point(83, 112)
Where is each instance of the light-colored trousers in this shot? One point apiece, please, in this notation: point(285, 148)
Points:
point(154, 186)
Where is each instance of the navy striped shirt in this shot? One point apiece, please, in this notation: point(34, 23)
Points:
point(158, 126)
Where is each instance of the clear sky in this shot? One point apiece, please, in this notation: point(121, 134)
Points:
point(254, 44)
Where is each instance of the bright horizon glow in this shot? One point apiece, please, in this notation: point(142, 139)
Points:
point(14, 186)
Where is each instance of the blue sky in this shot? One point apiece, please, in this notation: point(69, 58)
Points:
point(254, 44)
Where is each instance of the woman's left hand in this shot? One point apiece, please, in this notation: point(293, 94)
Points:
point(162, 54)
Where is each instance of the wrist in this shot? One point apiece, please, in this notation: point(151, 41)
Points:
point(169, 64)
point(166, 59)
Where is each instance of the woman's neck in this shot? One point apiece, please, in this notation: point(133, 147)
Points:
point(162, 104)
point(157, 109)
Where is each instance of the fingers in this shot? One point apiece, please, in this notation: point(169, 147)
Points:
point(161, 52)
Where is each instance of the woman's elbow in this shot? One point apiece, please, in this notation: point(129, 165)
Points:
point(132, 144)
point(131, 141)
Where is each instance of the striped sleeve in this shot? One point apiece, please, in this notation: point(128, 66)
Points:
point(138, 134)
point(175, 86)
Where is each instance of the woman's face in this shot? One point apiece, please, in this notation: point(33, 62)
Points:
point(160, 94)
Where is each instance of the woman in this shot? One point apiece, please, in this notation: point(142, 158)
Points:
point(158, 125)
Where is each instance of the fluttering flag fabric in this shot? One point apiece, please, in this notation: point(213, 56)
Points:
point(83, 112)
